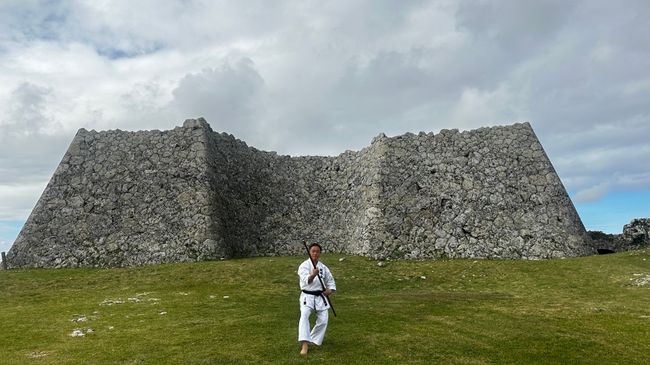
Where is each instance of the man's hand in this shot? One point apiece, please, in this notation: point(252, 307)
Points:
point(314, 273)
point(328, 292)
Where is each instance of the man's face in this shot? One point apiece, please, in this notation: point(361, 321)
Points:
point(314, 252)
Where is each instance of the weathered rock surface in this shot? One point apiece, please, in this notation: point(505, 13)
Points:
point(134, 198)
point(636, 235)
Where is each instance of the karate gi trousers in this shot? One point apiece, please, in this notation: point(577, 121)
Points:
point(308, 304)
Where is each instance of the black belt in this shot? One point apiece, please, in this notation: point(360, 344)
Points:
point(317, 293)
point(313, 292)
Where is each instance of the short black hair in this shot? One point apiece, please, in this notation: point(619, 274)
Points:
point(315, 244)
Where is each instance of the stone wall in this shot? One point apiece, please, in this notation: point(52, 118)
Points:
point(123, 199)
point(133, 198)
point(269, 204)
point(490, 192)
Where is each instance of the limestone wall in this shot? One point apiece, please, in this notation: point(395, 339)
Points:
point(269, 204)
point(490, 192)
point(123, 199)
point(133, 198)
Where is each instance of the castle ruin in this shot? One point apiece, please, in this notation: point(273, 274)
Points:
point(188, 194)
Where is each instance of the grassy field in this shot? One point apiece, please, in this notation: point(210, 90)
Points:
point(591, 310)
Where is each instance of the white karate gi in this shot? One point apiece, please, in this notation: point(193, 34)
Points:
point(310, 303)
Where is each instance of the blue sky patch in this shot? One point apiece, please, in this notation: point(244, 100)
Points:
point(611, 213)
point(8, 232)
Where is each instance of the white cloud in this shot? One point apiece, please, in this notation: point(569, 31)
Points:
point(228, 95)
point(477, 108)
point(317, 78)
point(17, 201)
point(515, 25)
point(26, 114)
point(592, 194)
point(620, 167)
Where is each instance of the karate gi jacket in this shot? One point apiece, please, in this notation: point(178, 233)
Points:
point(314, 301)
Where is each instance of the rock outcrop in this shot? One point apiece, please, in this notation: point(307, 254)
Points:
point(636, 235)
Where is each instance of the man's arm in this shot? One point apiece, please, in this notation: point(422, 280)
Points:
point(304, 273)
point(329, 282)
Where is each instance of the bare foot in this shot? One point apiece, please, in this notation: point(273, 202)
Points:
point(305, 348)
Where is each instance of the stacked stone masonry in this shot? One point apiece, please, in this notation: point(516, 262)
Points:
point(188, 194)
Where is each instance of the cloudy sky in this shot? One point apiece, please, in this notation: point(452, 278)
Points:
point(321, 77)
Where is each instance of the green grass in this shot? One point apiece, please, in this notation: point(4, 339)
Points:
point(574, 311)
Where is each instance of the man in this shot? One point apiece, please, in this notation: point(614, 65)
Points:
point(312, 298)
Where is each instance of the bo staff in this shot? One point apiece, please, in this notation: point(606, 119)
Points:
point(329, 302)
